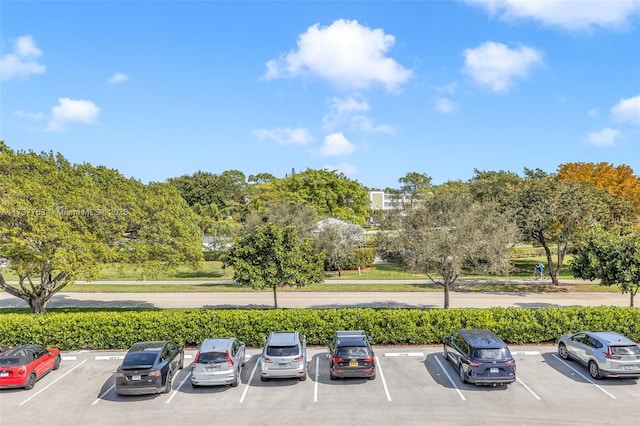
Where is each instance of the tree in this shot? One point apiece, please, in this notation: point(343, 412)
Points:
point(60, 221)
point(554, 212)
point(330, 193)
point(282, 213)
point(611, 256)
point(273, 257)
point(416, 187)
point(619, 181)
point(497, 187)
point(337, 240)
point(450, 234)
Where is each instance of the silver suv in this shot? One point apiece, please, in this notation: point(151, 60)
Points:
point(218, 362)
point(284, 355)
point(604, 353)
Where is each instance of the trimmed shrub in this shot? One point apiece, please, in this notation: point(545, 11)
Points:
point(118, 330)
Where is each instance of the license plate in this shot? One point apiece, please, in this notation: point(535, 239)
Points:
point(209, 369)
point(4, 374)
point(630, 367)
point(353, 363)
point(284, 364)
point(136, 377)
point(494, 370)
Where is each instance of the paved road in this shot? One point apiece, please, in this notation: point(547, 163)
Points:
point(323, 299)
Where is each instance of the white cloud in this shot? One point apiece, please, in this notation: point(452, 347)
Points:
point(31, 115)
point(285, 135)
point(445, 105)
point(336, 145)
point(346, 169)
point(593, 112)
point(569, 14)
point(346, 54)
point(627, 110)
point(118, 78)
point(604, 137)
point(449, 89)
point(342, 110)
point(366, 124)
point(72, 111)
point(495, 65)
point(23, 61)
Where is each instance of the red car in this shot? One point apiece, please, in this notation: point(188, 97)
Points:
point(22, 366)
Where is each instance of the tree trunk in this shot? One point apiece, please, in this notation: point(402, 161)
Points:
point(631, 296)
point(275, 297)
point(38, 305)
point(446, 295)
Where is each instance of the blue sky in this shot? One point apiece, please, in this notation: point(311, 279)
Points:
point(159, 89)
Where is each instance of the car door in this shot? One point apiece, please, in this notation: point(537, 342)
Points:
point(578, 348)
point(41, 358)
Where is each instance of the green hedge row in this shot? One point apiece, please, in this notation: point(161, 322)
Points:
point(118, 330)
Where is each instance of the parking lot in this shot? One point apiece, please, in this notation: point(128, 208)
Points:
point(415, 385)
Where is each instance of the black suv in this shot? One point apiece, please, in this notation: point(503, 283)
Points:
point(480, 357)
point(351, 355)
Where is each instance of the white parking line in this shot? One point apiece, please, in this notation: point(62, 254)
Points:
point(50, 384)
point(179, 386)
point(525, 353)
point(384, 383)
point(583, 376)
point(244, 392)
point(68, 358)
point(401, 354)
point(108, 357)
point(450, 379)
point(527, 388)
point(103, 394)
point(315, 387)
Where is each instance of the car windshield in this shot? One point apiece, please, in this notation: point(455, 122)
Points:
point(352, 352)
point(625, 350)
point(212, 357)
point(138, 359)
point(283, 350)
point(491, 353)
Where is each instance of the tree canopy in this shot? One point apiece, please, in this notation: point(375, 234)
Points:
point(273, 257)
point(60, 221)
point(612, 256)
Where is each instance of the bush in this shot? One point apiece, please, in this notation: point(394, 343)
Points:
point(118, 330)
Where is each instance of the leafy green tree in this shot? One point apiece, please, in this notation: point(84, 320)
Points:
point(416, 187)
point(282, 214)
point(497, 187)
point(273, 257)
point(554, 213)
point(330, 193)
point(612, 257)
point(450, 234)
point(61, 221)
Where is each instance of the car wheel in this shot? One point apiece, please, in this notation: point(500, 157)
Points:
point(303, 378)
point(444, 352)
point(263, 379)
point(594, 370)
point(332, 376)
point(373, 377)
point(31, 382)
point(168, 385)
point(56, 363)
point(236, 380)
point(193, 385)
point(562, 351)
point(181, 366)
point(463, 377)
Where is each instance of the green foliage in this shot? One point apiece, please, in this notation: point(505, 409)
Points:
point(360, 258)
point(273, 257)
point(118, 330)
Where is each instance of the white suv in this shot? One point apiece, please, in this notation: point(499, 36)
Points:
point(284, 355)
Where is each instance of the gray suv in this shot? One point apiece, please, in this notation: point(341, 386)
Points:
point(218, 362)
point(284, 355)
point(604, 353)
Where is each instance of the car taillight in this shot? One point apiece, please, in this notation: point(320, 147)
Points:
point(195, 359)
point(266, 359)
point(22, 371)
point(336, 359)
point(511, 362)
point(298, 358)
point(119, 374)
point(369, 359)
point(475, 363)
point(609, 355)
point(155, 373)
point(229, 360)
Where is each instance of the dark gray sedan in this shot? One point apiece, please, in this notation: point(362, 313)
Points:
point(149, 367)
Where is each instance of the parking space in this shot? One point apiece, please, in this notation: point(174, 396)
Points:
point(411, 383)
